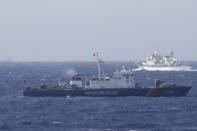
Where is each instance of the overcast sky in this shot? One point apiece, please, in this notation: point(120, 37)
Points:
point(71, 30)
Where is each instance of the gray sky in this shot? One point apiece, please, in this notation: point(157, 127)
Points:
point(71, 30)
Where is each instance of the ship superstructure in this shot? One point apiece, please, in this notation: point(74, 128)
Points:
point(120, 79)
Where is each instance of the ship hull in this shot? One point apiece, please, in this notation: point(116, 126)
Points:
point(168, 68)
point(115, 92)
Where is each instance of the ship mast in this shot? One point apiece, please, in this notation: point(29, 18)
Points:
point(172, 53)
point(100, 65)
point(157, 51)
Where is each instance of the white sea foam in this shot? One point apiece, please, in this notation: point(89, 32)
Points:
point(57, 122)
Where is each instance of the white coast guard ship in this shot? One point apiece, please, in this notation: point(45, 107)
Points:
point(156, 62)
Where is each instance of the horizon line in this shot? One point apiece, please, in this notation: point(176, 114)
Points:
point(15, 61)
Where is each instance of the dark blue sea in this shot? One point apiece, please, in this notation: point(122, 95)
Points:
point(19, 113)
